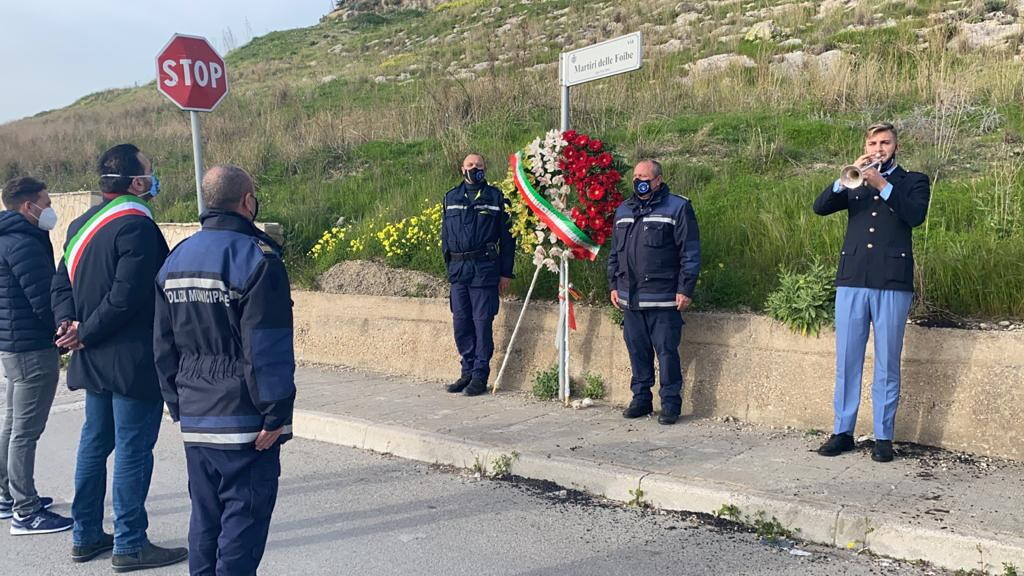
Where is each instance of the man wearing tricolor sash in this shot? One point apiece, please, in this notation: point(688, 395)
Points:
point(479, 250)
point(652, 270)
point(103, 301)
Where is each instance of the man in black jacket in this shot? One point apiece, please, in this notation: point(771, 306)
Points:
point(875, 284)
point(224, 351)
point(103, 304)
point(29, 357)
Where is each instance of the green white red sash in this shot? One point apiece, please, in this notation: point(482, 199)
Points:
point(564, 228)
point(117, 208)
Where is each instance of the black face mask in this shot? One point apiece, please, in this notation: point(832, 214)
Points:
point(475, 176)
point(642, 187)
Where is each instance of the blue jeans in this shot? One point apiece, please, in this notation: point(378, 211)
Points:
point(857, 309)
point(128, 427)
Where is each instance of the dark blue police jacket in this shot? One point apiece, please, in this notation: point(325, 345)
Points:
point(878, 251)
point(223, 335)
point(476, 235)
point(655, 251)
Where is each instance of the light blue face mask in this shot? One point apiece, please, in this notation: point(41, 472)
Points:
point(154, 182)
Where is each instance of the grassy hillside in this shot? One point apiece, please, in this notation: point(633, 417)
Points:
point(366, 118)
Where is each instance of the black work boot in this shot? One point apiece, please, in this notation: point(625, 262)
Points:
point(637, 409)
point(150, 556)
point(86, 553)
point(882, 451)
point(669, 416)
point(476, 387)
point(836, 445)
point(459, 385)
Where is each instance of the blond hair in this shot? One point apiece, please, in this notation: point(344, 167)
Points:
point(881, 127)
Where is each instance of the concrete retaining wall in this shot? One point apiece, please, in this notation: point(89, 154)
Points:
point(962, 390)
point(71, 205)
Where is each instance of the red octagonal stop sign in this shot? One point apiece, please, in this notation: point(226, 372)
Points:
point(191, 73)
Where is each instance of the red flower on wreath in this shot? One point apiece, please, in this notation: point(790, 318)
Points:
point(590, 170)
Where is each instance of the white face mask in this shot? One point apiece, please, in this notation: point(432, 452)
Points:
point(47, 219)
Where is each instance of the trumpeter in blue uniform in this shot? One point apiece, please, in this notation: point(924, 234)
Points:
point(224, 352)
point(479, 251)
point(875, 284)
point(652, 270)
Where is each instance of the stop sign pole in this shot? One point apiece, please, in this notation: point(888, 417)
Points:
point(191, 73)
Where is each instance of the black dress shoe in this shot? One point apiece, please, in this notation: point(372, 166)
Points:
point(86, 553)
point(882, 451)
point(149, 557)
point(836, 445)
point(476, 387)
point(668, 418)
point(637, 410)
point(459, 385)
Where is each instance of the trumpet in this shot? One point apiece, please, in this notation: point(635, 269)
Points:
point(852, 176)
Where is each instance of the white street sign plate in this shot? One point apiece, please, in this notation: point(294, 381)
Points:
point(611, 57)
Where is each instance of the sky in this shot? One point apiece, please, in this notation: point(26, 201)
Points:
point(53, 52)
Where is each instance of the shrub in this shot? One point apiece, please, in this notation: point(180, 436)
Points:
point(545, 384)
point(804, 301)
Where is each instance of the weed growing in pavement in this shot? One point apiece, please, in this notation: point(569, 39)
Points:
point(1009, 569)
point(730, 512)
point(502, 465)
point(766, 528)
point(637, 499)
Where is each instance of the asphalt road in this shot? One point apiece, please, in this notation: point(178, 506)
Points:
point(344, 511)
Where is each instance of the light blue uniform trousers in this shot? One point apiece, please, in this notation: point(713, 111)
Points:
point(856, 310)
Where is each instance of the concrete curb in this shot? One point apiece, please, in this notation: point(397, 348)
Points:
point(817, 521)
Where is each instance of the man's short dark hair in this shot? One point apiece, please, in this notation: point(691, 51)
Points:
point(225, 186)
point(122, 159)
point(19, 190)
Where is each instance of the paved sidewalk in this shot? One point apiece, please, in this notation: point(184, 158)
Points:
point(954, 510)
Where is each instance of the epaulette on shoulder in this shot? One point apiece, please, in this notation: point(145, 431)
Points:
point(267, 249)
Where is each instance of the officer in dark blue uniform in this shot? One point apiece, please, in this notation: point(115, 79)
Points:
point(479, 250)
point(652, 271)
point(224, 352)
point(874, 284)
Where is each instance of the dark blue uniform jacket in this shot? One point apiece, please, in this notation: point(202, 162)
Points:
point(223, 335)
point(655, 251)
point(878, 250)
point(476, 235)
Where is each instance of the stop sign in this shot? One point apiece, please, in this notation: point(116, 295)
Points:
point(191, 73)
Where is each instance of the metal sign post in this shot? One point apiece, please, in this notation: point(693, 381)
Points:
point(609, 58)
point(191, 73)
point(197, 156)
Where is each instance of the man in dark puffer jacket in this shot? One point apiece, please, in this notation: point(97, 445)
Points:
point(27, 352)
